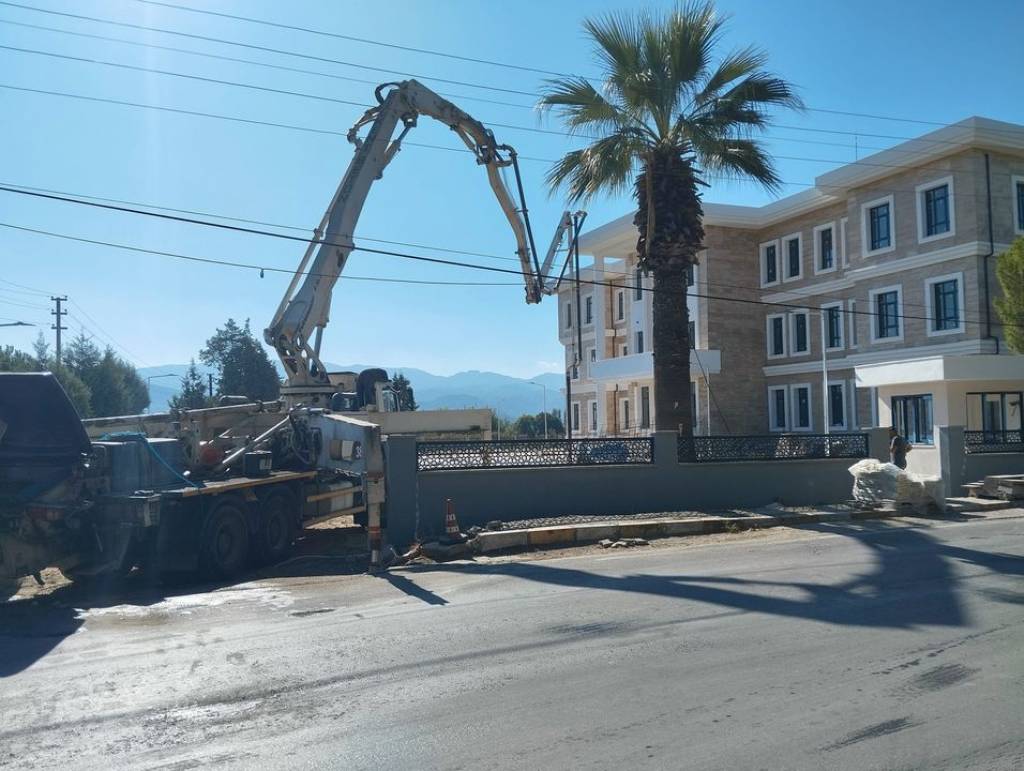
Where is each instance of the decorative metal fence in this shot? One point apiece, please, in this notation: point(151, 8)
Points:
point(723, 449)
point(533, 453)
point(978, 442)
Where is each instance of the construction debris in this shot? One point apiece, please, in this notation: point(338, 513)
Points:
point(622, 543)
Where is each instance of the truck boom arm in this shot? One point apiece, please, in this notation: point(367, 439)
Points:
point(298, 324)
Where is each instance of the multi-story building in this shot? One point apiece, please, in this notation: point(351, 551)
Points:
point(865, 300)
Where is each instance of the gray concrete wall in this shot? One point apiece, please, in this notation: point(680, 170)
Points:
point(960, 468)
point(666, 485)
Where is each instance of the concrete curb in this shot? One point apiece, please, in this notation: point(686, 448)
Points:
point(562, 535)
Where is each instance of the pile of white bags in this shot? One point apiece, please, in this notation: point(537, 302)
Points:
point(877, 483)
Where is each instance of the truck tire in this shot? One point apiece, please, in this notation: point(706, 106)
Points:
point(276, 527)
point(224, 550)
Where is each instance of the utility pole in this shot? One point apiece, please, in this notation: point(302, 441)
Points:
point(58, 326)
point(210, 376)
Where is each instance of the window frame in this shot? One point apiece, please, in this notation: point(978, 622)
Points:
point(865, 226)
point(769, 336)
point(638, 338)
point(624, 414)
point(784, 258)
point(903, 398)
point(824, 307)
point(851, 309)
point(845, 425)
point(568, 314)
point(591, 355)
point(844, 223)
point(575, 418)
point(592, 414)
point(872, 295)
point(818, 270)
point(638, 287)
point(929, 304)
point(645, 407)
point(1016, 204)
point(772, 414)
point(922, 215)
point(620, 305)
point(794, 412)
point(762, 248)
point(793, 352)
point(588, 310)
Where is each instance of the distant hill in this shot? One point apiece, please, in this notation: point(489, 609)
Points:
point(508, 396)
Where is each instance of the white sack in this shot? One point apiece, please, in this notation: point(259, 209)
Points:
point(875, 482)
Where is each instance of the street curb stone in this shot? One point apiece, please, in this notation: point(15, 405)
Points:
point(562, 535)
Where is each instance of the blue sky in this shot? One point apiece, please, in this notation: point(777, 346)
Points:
point(931, 61)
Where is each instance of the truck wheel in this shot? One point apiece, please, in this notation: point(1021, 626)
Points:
point(225, 546)
point(276, 528)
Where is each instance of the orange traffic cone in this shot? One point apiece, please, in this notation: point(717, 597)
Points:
point(451, 524)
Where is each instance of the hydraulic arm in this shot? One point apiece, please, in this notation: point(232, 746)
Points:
point(298, 324)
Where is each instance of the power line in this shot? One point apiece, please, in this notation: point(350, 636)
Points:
point(283, 52)
point(267, 49)
point(238, 60)
point(338, 36)
point(72, 198)
point(453, 263)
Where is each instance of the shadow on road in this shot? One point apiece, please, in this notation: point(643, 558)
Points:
point(910, 581)
point(31, 628)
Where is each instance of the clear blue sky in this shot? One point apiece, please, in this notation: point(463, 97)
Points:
point(936, 61)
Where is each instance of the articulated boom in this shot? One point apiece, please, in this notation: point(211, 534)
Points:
point(298, 324)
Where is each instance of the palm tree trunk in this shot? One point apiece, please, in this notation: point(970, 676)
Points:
point(666, 192)
point(671, 353)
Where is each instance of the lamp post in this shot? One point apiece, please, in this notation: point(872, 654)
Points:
point(149, 380)
point(17, 324)
point(545, 397)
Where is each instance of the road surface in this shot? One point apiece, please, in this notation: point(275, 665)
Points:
point(847, 646)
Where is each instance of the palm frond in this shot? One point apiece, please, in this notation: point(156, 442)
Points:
point(608, 165)
point(738, 64)
point(736, 158)
point(581, 106)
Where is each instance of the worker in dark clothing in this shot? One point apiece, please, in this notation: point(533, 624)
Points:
point(898, 448)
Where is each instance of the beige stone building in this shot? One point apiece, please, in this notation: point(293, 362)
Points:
point(887, 263)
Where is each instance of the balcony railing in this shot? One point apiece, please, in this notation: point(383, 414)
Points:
point(771, 447)
point(533, 453)
point(978, 442)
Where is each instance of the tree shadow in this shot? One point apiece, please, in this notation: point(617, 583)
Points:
point(911, 582)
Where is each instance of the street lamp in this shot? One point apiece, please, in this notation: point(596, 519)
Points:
point(17, 324)
point(545, 397)
point(149, 380)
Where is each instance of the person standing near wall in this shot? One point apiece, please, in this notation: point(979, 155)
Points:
point(898, 448)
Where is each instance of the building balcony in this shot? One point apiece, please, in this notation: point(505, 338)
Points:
point(640, 366)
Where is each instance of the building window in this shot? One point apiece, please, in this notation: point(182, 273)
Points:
point(837, 405)
point(912, 416)
point(1018, 199)
point(693, 406)
point(945, 302)
point(625, 350)
point(794, 262)
point(640, 342)
point(777, 408)
point(625, 414)
point(689, 275)
point(877, 226)
point(776, 336)
point(645, 407)
point(638, 287)
point(994, 411)
point(833, 326)
point(593, 416)
point(568, 315)
point(691, 332)
point(769, 263)
point(593, 354)
point(801, 405)
point(800, 339)
point(575, 372)
point(880, 235)
point(886, 308)
point(824, 248)
point(588, 310)
point(575, 416)
point(936, 210)
point(620, 305)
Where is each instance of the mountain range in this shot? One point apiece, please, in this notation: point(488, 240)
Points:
point(508, 396)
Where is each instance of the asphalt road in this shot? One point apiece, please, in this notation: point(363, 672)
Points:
point(854, 646)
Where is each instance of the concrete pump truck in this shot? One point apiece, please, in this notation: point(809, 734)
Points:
point(227, 487)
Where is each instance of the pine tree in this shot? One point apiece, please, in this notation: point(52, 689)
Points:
point(243, 367)
point(193, 391)
point(1010, 270)
point(404, 392)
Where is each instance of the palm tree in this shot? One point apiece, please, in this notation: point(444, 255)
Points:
point(664, 116)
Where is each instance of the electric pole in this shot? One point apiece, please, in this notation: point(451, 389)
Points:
point(58, 326)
